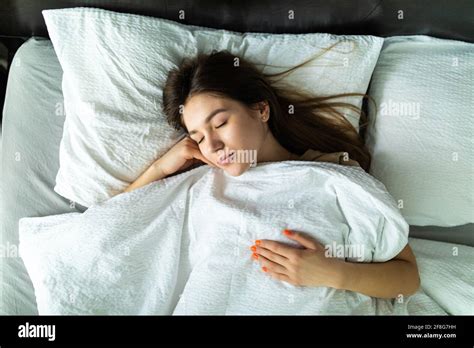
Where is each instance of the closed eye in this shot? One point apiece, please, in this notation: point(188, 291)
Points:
point(200, 141)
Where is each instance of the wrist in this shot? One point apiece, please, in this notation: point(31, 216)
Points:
point(343, 274)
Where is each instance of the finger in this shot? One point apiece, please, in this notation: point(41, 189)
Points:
point(198, 155)
point(306, 241)
point(276, 247)
point(270, 255)
point(280, 276)
point(272, 265)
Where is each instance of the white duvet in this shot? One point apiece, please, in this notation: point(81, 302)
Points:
point(181, 245)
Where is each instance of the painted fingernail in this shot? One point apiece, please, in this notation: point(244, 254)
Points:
point(258, 242)
point(264, 269)
point(255, 256)
point(253, 248)
point(288, 232)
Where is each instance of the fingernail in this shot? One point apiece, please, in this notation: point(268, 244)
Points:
point(287, 232)
point(255, 256)
point(258, 241)
point(253, 248)
point(264, 269)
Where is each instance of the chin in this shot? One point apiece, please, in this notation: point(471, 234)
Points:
point(236, 169)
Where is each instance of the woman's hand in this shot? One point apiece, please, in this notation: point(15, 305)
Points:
point(181, 156)
point(306, 266)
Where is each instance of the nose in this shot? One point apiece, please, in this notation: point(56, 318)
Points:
point(215, 145)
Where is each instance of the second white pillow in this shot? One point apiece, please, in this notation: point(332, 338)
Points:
point(421, 134)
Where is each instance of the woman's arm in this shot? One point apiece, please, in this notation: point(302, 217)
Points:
point(153, 173)
point(398, 276)
point(311, 267)
point(180, 157)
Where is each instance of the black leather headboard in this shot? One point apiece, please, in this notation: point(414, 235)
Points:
point(451, 19)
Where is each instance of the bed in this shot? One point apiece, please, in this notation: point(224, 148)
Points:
point(33, 181)
point(33, 118)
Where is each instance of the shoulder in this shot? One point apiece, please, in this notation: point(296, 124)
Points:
point(333, 157)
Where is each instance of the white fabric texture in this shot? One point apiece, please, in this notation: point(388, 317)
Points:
point(447, 274)
point(181, 245)
point(115, 67)
point(421, 133)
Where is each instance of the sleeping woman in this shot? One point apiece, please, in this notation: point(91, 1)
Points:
point(227, 105)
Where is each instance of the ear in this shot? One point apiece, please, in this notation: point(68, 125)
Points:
point(264, 109)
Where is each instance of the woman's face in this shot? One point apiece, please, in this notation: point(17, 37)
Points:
point(223, 127)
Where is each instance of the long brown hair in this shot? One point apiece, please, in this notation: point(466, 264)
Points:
point(298, 121)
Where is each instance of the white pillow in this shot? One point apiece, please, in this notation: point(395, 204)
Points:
point(115, 66)
point(422, 138)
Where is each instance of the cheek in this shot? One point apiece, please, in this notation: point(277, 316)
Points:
point(242, 136)
point(206, 152)
point(232, 135)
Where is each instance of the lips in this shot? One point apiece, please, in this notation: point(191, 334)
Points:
point(226, 159)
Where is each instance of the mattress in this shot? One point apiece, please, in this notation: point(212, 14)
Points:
point(32, 128)
point(31, 132)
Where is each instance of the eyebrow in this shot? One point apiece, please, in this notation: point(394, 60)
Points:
point(208, 118)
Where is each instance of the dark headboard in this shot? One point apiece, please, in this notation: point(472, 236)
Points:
point(451, 19)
